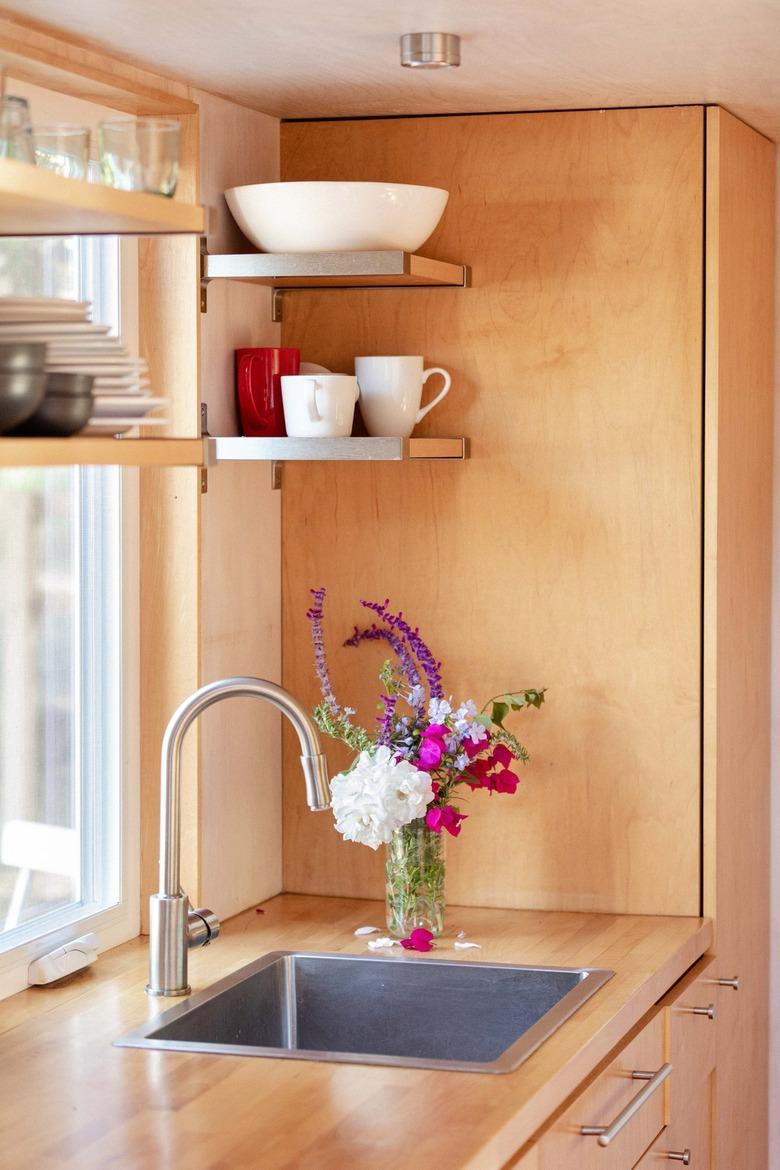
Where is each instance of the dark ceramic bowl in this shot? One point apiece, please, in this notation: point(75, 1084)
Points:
point(22, 355)
point(21, 393)
point(65, 409)
point(72, 385)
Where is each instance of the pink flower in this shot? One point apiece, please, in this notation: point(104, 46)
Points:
point(501, 755)
point(435, 731)
point(419, 940)
point(444, 818)
point(430, 755)
point(432, 747)
point(504, 781)
point(473, 749)
point(477, 772)
point(492, 773)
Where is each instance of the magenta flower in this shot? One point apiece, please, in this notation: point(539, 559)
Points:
point(445, 818)
point(435, 731)
point(430, 755)
point(472, 748)
point(504, 781)
point(492, 772)
point(501, 755)
point(432, 748)
point(419, 940)
point(477, 773)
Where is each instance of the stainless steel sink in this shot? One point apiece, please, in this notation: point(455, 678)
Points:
point(419, 1013)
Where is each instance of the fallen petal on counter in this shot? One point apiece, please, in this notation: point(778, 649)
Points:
point(419, 940)
point(461, 934)
point(467, 946)
point(361, 930)
point(379, 944)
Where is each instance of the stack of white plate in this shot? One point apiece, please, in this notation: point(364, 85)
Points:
point(122, 395)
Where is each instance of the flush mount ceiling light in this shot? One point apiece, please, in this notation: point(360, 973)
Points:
point(430, 50)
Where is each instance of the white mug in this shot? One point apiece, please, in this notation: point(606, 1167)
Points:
point(318, 405)
point(391, 390)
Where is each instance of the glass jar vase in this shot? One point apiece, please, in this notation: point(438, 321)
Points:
point(415, 880)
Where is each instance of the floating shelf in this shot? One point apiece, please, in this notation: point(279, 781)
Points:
point(114, 452)
point(286, 270)
point(365, 449)
point(36, 202)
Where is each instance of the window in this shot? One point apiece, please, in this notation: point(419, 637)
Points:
point(68, 658)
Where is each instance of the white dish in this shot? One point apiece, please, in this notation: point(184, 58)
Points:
point(43, 303)
point(105, 369)
point(313, 368)
point(52, 328)
point(95, 358)
point(118, 426)
point(109, 345)
point(336, 217)
point(125, 405)
point(123, 386)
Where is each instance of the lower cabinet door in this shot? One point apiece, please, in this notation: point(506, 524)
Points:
point(606, 1098)
point(687, 1140)
point(692, 1020)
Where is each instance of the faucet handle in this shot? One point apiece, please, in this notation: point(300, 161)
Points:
point(202, 928)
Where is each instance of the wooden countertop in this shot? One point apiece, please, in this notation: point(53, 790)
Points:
point(70, 1100)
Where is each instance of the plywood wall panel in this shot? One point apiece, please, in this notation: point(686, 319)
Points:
point(240, 567)
point(566, 552)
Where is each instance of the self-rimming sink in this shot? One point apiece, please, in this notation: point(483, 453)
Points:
point(392, 1010)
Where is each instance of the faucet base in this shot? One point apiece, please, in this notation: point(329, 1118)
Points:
point(162, 991)
point(168, 917)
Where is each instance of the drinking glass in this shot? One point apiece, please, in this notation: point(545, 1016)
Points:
point(140, 154)
point(63, 149)
point(15, 130)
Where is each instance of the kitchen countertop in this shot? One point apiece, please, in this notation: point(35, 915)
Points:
point(70, 1099)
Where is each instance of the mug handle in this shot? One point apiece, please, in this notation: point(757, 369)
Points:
point(311, 400)
point(421, 413)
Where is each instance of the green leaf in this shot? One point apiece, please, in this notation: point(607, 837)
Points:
point(499, 713)
point(483, 720)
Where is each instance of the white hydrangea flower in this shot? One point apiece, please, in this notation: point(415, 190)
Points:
point(464, 715)
point(438, 710)
point(476, 733)
point(378, 796)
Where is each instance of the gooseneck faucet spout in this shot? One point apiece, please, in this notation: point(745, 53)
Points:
point(173, 926)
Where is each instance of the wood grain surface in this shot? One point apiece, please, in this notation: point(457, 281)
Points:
point(566, 552)
point(70, 1101)
point(737, 616)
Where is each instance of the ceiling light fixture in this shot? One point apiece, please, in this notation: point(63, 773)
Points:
point(430, 50)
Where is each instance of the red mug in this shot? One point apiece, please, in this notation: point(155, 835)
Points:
point(259, 388)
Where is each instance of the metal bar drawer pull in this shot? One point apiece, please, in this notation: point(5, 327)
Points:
point(606, 1133)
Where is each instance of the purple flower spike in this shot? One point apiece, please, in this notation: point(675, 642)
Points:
point(374, 634)
point(315, 616)
point(431, 668)
point(386, 721)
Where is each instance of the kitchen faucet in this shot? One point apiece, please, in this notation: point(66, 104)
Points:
point(173, 927)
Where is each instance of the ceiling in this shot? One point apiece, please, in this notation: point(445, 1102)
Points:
point(316, 58)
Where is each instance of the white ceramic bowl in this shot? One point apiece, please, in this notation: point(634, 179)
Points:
point(336, 217)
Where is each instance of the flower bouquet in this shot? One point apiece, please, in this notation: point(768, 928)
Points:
point(425, 754)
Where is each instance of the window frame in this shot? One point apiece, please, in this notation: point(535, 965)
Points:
point(121, 921)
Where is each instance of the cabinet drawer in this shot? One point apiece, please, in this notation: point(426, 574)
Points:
point(688, 1139)
point(565, 1146)
point(691, 1033)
